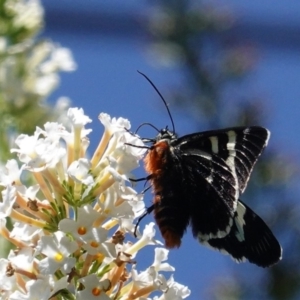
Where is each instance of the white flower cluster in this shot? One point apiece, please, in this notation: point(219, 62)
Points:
point(39, 62)
point(42, 67)
point(70, 228)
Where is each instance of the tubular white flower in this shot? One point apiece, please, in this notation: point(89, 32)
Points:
point(175, 291)
point(96, 242)
point(58, 250)
point(77, 117)
point(146, 239)
point(45, 84)
point(161, 254)
point(83, 225)
point(114, 205)
point(7, 281)
point(58, 285)
point(113, 125)
point(38, 153)
point(11, 173)
point(26, 233)
point(53, 131)
point(8, 200)
point(35, 289)
point(114, 130)
point(79, 171)
point(60, 60)
point(22, 259)
point(93, 289)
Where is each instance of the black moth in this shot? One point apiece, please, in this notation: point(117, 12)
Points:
point(197, 180)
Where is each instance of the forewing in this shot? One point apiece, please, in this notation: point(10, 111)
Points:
point(249, 238)
point(238, 147)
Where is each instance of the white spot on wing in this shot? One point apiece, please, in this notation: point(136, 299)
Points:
point(268, 137)
point(214, 144)
point(200, 153)
point(240, 221)
point(220, 233)
point(209, 179)
point(230, 162)
point(223, 251)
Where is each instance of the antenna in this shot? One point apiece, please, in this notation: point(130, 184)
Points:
point(149, 124)
point(162, 98)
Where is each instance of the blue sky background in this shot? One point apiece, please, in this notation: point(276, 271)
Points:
point(106, 80)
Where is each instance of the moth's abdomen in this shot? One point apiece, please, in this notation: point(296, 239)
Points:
point(172, 218)
point(171, 212)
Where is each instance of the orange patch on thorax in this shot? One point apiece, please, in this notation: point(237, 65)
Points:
point(156, 157)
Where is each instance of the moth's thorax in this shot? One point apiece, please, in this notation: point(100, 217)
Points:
point(158, 155)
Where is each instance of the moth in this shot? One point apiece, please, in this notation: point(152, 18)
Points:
point(197, 180)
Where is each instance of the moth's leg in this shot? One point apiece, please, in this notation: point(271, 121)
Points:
point(147, 212)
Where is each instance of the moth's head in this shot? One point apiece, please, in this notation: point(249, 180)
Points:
point(165, 134)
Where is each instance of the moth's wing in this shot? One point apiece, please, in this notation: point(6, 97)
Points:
point(218, 164)
point(238, 147)
point(249, 238)
point(210, 193)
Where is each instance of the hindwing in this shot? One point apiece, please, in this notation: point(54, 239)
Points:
point(249, 238)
